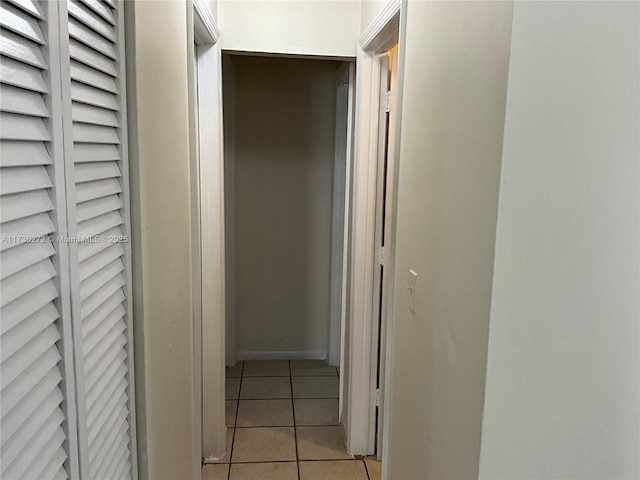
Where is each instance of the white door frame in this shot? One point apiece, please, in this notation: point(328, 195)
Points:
point(381, 35)
point(208, 232)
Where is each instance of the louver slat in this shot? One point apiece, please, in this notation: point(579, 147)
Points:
point(18, 154)
point(21, 205)
point(92, 96)
point(85, 35)
point(23, 102)
point(88, 172)
point(44, 410)
point(91, 20)
point(16, 47)
point(48, 413)
point(36, 348)
point(35, 228)
point(13, 422)
point(24, 179)
point(13, 19)
point(22, 75)
point(92, 190)
point(20, 334)
point(28, 305)
point(102, 10)
point(20, 127)
point(95, 153)
point(114, 302)
point(29, 6)
point(26, 280)
point(99, 206)
point(23, 256)
point(86, 133)
point(96, 116)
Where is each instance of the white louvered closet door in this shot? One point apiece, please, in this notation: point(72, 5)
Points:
point(38, 429)
point(97, 194)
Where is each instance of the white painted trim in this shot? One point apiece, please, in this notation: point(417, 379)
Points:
point(392, 235)
point(212, 249)
point(380, 35)
point(381, 28)
point(208, 230)
point(205, 26)
point(362, 254)
point(288, 355)
point(382, 64)
point(196, 254)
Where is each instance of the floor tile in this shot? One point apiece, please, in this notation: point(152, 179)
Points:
point(374, 468)
point(316, 412)
point(229, 445)
point(264, 445)
point(306, 368)
point(235, 371)
point(264, 471)
point(337, 470)
point(321, 443)
point(265, 388)
point(215, 472)
point(265, 413)
point(266, 368)
point(232, 387)
point(315, 387)
point(230, 407)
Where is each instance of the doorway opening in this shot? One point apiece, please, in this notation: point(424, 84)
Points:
point(285, 166)
point(271, 259)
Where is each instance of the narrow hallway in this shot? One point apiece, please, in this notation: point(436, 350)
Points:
point(282, 419)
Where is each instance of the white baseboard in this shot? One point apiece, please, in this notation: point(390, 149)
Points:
point(290, 355)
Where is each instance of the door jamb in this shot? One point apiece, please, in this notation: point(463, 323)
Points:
point(208, 232)
point(381, 35)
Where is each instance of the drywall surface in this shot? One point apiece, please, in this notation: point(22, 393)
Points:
point(302, 27)
point(563, 365)
point(160, 186)
point(284, 129)
point(369, 10)
point(213, 7)
point(455, 85)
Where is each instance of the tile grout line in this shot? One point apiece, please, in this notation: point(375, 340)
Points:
point(366, 469)
point(235, 421)
point(295, 428)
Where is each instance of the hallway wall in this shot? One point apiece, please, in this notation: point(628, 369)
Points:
point(563, 379)
point(285, 114)
point(168, 423)
point(455, 85)
point(304, 27)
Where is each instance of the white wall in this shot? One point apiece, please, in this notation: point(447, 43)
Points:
point(284, 149)
point(369, 9)
point(158, 109)
point(455, 79)
point(304, 27)
point(562, 398)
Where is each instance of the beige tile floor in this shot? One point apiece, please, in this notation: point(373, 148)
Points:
point(282, 419)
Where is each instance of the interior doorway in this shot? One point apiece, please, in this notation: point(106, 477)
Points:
point(287, 156)
point(362, 326)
